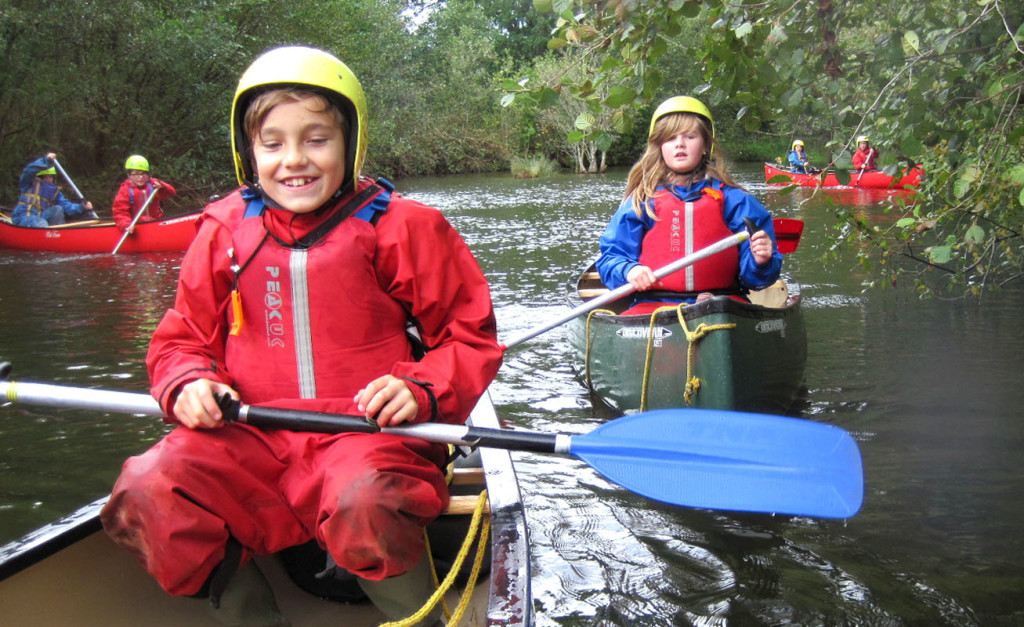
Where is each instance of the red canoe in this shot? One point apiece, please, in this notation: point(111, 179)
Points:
point(167, 235)
point(876, 179)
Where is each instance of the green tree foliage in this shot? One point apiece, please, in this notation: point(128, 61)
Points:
point(97, 81)
point(440, 109)
point(939, 83)
point(568, 121)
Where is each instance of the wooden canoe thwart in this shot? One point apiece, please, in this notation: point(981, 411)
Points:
point(717, 354)
point(71, 573)
point(95, 236)
point(872, 179)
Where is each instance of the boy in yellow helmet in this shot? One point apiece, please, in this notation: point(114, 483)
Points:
point(866, 155)
point(41, 203)
point(297, 293)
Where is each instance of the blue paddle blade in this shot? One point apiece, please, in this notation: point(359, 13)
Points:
point(729, 461)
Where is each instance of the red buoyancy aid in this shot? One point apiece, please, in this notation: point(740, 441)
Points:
point(684, 227)
point(282, 351)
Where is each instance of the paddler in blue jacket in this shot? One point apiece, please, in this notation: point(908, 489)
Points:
point(680, 199)
point(41, 204)
point(798, 161)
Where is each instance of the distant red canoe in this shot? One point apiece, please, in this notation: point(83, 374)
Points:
point(876, 179)
point(167, 235)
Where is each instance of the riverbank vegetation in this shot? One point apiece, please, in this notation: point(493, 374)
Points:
point(463, 86)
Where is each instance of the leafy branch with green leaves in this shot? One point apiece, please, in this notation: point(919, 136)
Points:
point(936, 83)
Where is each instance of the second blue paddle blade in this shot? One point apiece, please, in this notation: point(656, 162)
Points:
point(730, 461)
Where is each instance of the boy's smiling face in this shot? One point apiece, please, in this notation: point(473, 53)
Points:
point(299, 155)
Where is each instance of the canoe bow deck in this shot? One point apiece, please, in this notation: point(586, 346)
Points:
point(71, 573)
point(166, 235)
point(745, 357)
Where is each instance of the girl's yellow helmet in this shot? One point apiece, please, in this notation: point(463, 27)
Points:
point(863, 138)
point(682, 104)
point(302, 68)
point(51, 171)
point(797, 142)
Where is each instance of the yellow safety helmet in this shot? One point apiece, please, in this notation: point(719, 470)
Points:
point(137, 162)
point(863, 138)
point(50, 171)
point(303, 68)
point(682, 104)
point(797, 142)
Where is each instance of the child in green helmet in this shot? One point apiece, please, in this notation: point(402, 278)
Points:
point(135, 190)
point(798, 160)
point(41, 203)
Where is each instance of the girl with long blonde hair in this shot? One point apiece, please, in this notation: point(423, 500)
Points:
point(680, 198)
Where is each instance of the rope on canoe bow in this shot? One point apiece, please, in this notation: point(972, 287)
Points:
point(692, 337)
point(586, 361)
point(650, 354)
point(479, 523)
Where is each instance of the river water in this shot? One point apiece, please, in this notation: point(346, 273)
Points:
point(930, 389)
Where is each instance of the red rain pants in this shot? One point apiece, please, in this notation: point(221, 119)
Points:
point(364, 497)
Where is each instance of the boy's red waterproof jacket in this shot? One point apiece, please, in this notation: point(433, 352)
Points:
point(317, 324)
point(129, 199)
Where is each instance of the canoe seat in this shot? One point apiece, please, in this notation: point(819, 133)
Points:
point(468, 476)
point(592, 292)
point(593, 275)
point(69, 225)
point(774, 296)
point(465, 504)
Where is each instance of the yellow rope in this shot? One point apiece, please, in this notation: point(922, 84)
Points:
point(586, 364)
point(443, 587)
point(481, 551)
point(650, 353)
point(692, 382)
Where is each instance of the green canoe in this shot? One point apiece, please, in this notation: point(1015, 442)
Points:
point(717, 354)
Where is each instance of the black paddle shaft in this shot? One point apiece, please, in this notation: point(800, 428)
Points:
point(293, 419)
point(322, 422)
point(512, 440)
